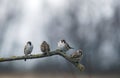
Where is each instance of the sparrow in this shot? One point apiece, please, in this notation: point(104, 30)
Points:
point(63, 45)
point(77, 54)
point(45, 48)
point(28, 48)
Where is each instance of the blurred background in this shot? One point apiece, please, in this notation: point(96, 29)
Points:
point(90, 25)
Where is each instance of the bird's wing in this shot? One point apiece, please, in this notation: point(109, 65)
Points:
point(42, 48)
point(48, 47)
point(67, 45)
point(25, 48)
point(75, 55)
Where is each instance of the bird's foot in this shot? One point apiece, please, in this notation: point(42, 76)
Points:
point(30, 54)
point(47, 53)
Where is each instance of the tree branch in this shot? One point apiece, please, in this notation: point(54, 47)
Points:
point(56, 52)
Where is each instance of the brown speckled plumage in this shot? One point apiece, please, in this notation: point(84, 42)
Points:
point(77, 54)
point(45, 48)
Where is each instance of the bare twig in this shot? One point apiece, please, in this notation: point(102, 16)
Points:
point(56, 52)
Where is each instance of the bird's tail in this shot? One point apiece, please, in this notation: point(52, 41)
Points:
point(71, 48)
point(25, 57)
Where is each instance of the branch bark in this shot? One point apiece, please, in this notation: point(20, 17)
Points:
point(56, 52)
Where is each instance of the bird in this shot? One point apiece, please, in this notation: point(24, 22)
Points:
point(64, 46)
point(45, 48)
point(28, 48)
point(77, 54)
